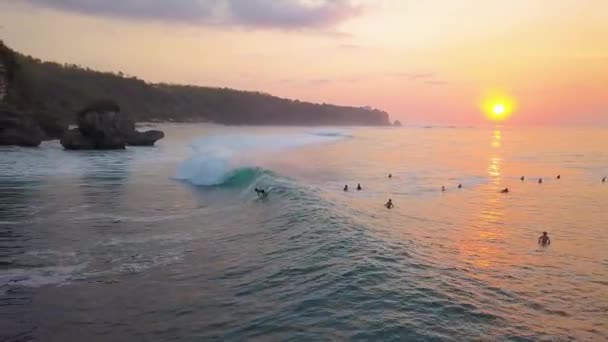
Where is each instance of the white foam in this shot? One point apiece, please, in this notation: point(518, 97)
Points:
point(215, 156)
point(39, 276)
point(166, 238)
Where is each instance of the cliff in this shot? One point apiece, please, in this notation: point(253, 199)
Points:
point(61, 90)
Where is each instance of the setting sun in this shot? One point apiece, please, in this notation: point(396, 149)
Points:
point(499, 109)
point(497, 106)
point(436, 161)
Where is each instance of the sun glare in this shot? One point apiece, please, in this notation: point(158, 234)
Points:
point(497, 107)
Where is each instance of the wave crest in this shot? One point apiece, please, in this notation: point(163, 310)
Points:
point(226, 159)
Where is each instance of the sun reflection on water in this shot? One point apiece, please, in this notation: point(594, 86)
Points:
point(482, 248)
point(496, 142)
point(494, 167)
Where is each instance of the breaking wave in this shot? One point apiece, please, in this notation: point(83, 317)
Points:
point(229, 159)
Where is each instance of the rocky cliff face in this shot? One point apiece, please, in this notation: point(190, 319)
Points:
point(3, 81)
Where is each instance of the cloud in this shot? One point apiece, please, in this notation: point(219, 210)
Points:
point(292, 13)
point(414, 76)
point(322, 81)
point(436, 82)
point(319, 81)
point(269, 14)
point(420, 76)
point(349, 47)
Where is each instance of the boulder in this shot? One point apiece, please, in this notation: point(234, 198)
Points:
point(19, 129)
point(397, 123)
point(102, 126)
point(147, 138)
point(74, 140)
point(96, 131)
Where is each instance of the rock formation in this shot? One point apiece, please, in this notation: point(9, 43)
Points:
point(74, 140)
point(147, 138)
point(101, 126)
point(18, 129)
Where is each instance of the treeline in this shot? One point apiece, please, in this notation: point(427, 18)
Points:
point(63, 89)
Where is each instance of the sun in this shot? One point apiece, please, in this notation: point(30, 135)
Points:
point(499, 109)
point(497, 106)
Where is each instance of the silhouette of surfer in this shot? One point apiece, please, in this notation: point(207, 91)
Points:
point(505, 190)
point(522, 178)
point(559, 176)
point(604, 180)
point(390, 175)
point(358, 187)
point(459, 186)
point(389, 204)
point(544, 240)
point(346, 187)
point(442, 188)
point(540, 181)
point(260, 192)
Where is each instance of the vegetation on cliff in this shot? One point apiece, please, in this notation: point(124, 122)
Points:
point(60, 91)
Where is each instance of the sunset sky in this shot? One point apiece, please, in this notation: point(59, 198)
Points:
point(423, 61)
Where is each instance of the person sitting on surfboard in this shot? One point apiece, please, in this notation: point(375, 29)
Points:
point(544, 240)
point(346, 187)
point(505, 190)
point(389, 204)
point(359, 187)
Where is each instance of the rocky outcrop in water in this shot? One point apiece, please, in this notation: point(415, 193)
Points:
point(102, 126)
point(397, 123)
point(18, 129)
point(147, 138)
point(74, 140)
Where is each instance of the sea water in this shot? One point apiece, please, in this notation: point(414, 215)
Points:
point(172, 243)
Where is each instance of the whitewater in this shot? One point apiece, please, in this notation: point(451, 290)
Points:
point(219, 158)
point(172, 243)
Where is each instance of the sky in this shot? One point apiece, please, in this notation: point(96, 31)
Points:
point(432, 61)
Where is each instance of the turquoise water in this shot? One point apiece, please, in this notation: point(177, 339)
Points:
point(171, 242)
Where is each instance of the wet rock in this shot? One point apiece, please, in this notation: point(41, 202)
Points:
point(19, 129)
point(147, 138)
point(74, 140)
point(101, 126)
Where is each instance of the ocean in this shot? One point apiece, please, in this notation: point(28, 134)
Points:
point(171, 243)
